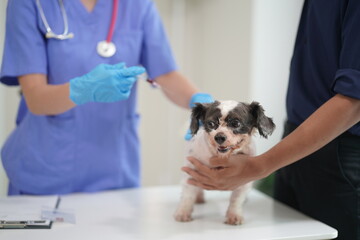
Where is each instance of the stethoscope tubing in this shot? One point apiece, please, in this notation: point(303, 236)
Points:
point(67, 35)
point(114, 16)
point(49, 31)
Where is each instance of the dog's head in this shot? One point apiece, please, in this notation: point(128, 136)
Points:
point(230, 124)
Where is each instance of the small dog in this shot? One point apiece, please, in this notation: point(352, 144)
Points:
point(220, 129)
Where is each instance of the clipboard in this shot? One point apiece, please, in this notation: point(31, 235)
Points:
point(37, 224)
point(24, 212)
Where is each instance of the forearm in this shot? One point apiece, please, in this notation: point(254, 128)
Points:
point(332, 119)
point(177, 88)
point(52, 100)
point(45, 99)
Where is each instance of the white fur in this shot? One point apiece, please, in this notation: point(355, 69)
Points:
point(227, 106)
point(201, 148)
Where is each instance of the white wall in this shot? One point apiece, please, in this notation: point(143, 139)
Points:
point(233, 49)
point(211, 47)
point(273, 32)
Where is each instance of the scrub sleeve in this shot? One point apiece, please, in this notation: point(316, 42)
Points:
point(347, 78)
point(24, 49)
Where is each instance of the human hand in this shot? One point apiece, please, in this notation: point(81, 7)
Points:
point(105, 83)
point(224, 173)
point(198, 98)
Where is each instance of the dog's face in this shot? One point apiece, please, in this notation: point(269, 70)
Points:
point(230, 124)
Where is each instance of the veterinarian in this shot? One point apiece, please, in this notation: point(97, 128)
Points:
point(77, 123)
point(318, 161)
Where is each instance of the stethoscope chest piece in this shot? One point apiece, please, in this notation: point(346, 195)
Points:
point(106, 49)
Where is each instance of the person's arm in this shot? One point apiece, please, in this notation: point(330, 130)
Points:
point(105, 83)
point(44, 99)
point(333, 118)
point(177, 88)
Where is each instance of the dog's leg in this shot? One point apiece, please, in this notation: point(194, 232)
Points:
point(234, 214)
point(188, 199)
point(200, 196)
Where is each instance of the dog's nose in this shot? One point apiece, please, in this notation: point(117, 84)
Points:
point(220, 138)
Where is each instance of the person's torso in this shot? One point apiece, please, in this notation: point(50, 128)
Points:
point(316, 57)
point(92, 146)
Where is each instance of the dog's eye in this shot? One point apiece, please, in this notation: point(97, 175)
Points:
point(211, 124)
point(234, 123)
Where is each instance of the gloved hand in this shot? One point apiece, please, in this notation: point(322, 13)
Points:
point(105, 83)
point(198, 98)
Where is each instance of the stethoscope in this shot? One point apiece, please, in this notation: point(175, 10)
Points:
point(105, 48)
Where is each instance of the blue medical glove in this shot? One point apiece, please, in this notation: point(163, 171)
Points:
point(105, 83)
point(198, 98)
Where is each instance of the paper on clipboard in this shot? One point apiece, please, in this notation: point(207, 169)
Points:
point(25, 211)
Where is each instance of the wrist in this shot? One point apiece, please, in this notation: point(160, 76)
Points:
point(77, 91)
point(259, 166)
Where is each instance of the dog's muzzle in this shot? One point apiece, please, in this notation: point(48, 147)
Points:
point(220, 138)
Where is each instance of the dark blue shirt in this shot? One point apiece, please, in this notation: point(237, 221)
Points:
point(326, 58)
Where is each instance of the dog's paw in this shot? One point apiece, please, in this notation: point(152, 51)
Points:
point(182, 216)
point(234, 219)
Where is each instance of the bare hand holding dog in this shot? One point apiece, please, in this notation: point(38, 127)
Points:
point(224, 173)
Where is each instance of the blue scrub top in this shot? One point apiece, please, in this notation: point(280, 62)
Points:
point(94, 146)
point(326, 58)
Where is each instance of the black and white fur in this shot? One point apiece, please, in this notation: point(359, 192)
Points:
point(220, 129)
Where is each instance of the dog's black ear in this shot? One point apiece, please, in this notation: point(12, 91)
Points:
point(197, 115)
point(264, 124)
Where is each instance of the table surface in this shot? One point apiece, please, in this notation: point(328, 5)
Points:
point(146, 213)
